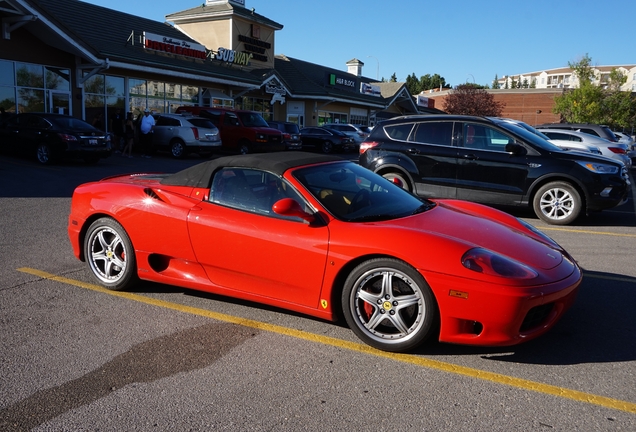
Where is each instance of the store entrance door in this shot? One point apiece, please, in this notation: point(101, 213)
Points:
point(59, 103)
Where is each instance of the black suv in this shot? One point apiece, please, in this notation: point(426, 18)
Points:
point(492, 162)
point(291, 134)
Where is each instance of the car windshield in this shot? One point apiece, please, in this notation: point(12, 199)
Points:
point(252, 119)
point(354, 194)
point(531, 137)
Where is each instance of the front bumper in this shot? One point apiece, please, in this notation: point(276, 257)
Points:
point(500, 315)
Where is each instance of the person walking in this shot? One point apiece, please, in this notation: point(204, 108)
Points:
point(129, 135)
point(147, 125)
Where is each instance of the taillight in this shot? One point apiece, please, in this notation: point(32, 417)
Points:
point(287, 136)
point(195, 131)
point(67, 137)
point(366, 145)
point(617, 150)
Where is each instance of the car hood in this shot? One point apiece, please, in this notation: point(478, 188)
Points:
point(471, 225)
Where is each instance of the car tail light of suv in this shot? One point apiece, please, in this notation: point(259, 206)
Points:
point(364, 146)
point(195, 131)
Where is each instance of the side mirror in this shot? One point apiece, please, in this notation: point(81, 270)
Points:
point(290, 208)
point(516, 149)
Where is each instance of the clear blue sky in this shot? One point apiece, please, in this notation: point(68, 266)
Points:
point(461, 40)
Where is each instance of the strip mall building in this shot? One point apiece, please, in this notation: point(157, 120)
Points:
point(73, 57)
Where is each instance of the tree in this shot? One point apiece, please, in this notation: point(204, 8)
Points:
point(428, 82)
point(468, 99)
point(393, 78)
point(590, 103)
point(413, 84)
point(495, 82)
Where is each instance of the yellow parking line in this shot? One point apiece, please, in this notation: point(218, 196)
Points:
point(358, 347)
point(586, 232)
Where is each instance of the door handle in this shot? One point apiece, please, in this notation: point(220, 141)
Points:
point(413, 151)
point(470, 156)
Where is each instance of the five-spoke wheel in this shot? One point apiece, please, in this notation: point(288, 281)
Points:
point(388, 305)
point(109, 254)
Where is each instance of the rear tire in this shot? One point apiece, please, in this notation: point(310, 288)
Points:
point(43, 154)
point(557, 203)
point(398, 179)
point(177, 149)
point(244, 148)
point(326, 146)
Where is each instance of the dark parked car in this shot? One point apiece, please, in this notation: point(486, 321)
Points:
point(493, 162)
point(326, 140)
point(181, 134)
point(291, 134)
point(48, 137)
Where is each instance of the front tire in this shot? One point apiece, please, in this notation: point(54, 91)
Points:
point(557, 203)
point(109, 254)
point(389, 305)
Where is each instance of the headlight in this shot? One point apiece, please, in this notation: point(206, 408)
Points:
point(599, 167)
point(489, 263)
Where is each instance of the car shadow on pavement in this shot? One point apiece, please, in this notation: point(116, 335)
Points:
point(598, 328)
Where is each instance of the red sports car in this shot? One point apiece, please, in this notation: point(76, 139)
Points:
point(323, 236)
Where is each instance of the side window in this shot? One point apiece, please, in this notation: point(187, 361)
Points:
point(399, 132)
point(439, 133)
point(251, 190)
point(589, 131)
point(214, 116)
point(230, 119)
point(481, 137)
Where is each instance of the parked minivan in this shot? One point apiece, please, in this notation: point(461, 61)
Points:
point(241, 131)
point(494, 162)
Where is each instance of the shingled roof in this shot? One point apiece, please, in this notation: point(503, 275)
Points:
point(309, 80)
point(116, 35)
point(222, 9)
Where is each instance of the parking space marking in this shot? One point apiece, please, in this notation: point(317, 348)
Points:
point(520, 383)
point(572, 230)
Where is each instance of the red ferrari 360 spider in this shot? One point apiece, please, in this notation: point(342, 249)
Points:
point(323, 236)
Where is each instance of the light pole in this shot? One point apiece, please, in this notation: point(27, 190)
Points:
point(377, 73)
point(471, 75)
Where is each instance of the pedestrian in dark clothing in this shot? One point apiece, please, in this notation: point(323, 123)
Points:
point(117, 129)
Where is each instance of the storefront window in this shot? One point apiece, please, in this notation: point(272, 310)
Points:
point(30, 75)
point(158, 96)
point(57, 79)
point(330, 117)
point(102, 94)
point(30, 100)
point(261, 106)
point(7, 98)
point(7, 77)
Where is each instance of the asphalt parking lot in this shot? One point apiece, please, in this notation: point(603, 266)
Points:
point(77, 357)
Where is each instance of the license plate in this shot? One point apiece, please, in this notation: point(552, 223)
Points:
point(92, 142)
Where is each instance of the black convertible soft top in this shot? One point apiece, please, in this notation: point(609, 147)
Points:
point(276, 163)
